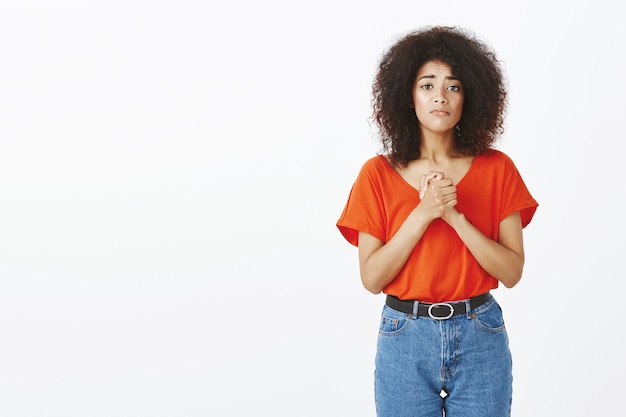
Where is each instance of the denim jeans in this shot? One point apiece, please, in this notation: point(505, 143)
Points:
point(458, 367)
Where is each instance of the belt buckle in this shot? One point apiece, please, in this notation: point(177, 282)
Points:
point(430, 311)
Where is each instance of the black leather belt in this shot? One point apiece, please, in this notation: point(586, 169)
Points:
point(439, 311)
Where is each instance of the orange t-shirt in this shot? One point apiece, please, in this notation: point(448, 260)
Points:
point(440, 268)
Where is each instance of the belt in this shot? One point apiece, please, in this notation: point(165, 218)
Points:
point(439, 311)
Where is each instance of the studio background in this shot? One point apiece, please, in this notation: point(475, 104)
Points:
point(170, 178)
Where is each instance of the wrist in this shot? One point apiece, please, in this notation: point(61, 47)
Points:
point(454, 218)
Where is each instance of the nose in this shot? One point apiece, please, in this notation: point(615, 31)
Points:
point(440, 96)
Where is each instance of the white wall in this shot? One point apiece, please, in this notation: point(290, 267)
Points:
point(170, 178)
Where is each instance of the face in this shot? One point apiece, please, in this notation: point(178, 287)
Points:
point(437, 98)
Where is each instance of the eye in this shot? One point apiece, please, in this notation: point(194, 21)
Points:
point(427, 86)
point(454, 88)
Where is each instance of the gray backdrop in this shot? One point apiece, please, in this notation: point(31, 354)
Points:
point(170, 178)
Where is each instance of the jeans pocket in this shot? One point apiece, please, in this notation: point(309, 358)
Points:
point(392, 321)
point(490, 318)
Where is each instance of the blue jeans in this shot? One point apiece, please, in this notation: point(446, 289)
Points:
point(460, 366)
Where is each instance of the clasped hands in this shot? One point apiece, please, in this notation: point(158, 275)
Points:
point(438, 195)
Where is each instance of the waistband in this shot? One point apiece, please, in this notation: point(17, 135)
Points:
point(439, 311)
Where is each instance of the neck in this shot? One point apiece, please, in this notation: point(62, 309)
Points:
point(437, 148)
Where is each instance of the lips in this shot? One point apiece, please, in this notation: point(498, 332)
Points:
point(439, 112)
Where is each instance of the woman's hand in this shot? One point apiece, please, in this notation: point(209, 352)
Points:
point(438, 195)
point(427, 178)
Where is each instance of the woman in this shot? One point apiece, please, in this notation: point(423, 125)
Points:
point(438, 221)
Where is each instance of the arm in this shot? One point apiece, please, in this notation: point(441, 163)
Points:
point(380, 262)
point(503, 259)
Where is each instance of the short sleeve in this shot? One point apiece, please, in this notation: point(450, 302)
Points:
point(516, 196)
point(364, 210)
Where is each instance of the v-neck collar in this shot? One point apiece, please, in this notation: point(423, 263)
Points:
point(405, 182)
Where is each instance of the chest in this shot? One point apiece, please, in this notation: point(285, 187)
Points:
point(455, 169)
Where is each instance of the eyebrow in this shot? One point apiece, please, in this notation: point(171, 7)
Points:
point(451, 77)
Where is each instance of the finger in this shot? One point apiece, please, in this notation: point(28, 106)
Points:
point(427, 179)
point(443, 183)
point(424, 181)
point(448, 191)
point(423, 184)
point(453, 202)
point(434, 176)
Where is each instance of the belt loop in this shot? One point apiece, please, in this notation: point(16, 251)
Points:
point(468, 309)
point(415, 306)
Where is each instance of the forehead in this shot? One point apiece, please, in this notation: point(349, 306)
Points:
point(435, 67)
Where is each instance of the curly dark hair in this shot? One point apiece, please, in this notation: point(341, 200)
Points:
point(475, 65)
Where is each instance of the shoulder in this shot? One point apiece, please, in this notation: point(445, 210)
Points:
point(376, 163)
point(376, 173)
point(495, 155)
point(496, 158)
